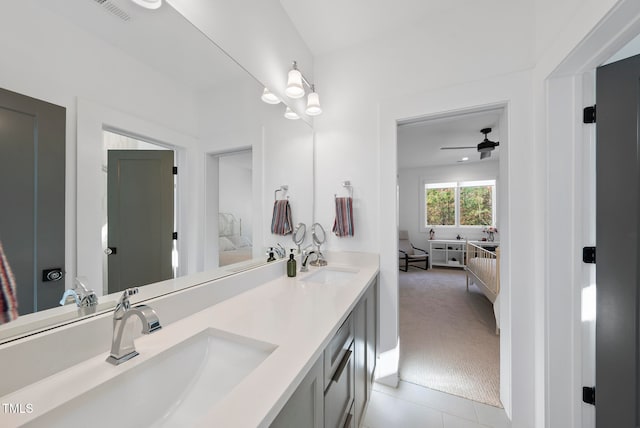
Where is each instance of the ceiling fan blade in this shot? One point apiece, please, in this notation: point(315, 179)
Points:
point(485, 155)
point(457, 148)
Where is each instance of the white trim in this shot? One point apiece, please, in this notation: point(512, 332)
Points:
point(603, 28)
point(512, 93)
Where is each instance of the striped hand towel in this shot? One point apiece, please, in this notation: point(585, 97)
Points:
point(343, 224)
point(281, 223)
point(8, 292)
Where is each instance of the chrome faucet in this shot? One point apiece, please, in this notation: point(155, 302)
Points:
point(305, 258)
point(122, 347)
point(280, 251)
point(86, 300)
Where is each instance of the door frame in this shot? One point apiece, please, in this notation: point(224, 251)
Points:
point(93, 118)
point(513, 93)
point(212, 199)
point(566, 149)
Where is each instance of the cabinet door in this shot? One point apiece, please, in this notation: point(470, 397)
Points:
point(305, 408)
point(372, 331)
point(360, 351)
point(338, 397)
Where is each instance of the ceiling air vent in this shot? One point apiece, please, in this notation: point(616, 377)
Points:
point(113, 9)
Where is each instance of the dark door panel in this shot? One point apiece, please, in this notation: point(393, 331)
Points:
point(32, 188)
point(140, 217)
point(617, 218)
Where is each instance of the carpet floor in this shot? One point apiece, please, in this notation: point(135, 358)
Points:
point(447, 335)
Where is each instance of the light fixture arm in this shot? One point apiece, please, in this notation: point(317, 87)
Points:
point(304, 79)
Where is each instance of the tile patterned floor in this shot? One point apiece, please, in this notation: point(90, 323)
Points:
point(411, 406)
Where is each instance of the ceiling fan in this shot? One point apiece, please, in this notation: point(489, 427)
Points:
point(485, 147)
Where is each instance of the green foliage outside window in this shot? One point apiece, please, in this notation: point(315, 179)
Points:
point(476, 206)
point(468, 203)
point(441, 206)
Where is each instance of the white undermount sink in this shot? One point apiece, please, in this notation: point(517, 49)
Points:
point(175, 388)
point(330, 275)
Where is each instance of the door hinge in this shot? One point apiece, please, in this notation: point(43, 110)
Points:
point(589, 395)
point(589, 114)
point(175, 235)
point(175, 170)
point(589, 254)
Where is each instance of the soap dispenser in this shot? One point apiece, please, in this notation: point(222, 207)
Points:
point(291, 266)
point(271, 257)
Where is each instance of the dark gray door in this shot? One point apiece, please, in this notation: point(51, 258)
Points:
point(32, 179)
point(140, 217)
point(617, 218)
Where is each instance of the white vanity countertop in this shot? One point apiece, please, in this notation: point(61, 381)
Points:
point(298, 317)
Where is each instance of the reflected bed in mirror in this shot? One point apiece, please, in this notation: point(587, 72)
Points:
point(126, 75)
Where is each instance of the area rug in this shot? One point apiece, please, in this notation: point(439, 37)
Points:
point(447, 335)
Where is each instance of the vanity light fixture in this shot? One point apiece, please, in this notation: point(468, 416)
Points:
point(148, 4)
point(290, 114)
point(295, 89)
point(269, 97)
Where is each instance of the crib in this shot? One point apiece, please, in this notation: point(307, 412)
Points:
point(483, 269)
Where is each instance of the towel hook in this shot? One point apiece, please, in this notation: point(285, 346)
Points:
point(284, 188)
point(347, 185)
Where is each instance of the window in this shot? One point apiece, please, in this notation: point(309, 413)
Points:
point(441, 204)
point(465, 203)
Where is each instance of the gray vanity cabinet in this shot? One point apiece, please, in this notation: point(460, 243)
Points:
point(305, 408)
point(365, 322)
point(335, 392)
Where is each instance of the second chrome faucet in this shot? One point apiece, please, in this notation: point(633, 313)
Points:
point(122, 346)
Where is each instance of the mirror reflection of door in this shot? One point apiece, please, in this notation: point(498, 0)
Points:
point(32, 180)
point(140, 213)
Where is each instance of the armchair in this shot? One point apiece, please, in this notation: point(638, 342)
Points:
point(410, 254)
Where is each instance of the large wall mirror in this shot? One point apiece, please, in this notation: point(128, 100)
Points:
point(163, 132)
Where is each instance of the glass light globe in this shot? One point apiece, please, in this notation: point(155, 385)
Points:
point(313, 104)
point(269, 97)
point(294, 85)
point(290, 114)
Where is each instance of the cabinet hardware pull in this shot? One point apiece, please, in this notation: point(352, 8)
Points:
point(343, 364)
point(347, 423)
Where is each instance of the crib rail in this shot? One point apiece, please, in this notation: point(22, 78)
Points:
point(484, 266)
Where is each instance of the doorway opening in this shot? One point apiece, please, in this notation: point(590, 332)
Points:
point(230, 215)
point(449, 201)
point(139, 232)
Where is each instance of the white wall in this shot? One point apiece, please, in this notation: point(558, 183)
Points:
point(357, 84)
point(410, 187)
point(410, 74)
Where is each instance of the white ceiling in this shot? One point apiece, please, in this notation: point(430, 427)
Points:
point(419, 141)
point(331, 25)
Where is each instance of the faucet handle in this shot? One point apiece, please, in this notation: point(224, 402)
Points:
point(131, 291)
point(124, 304)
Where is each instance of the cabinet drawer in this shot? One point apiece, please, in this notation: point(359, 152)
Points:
point(338, 398)
point(334, 352)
